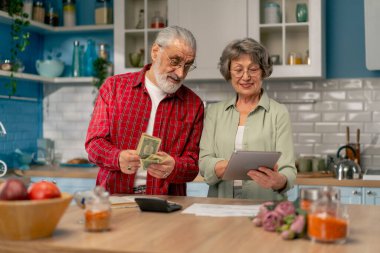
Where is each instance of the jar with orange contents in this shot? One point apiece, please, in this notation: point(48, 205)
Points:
point(98, 211)
point(308, 196)
point(328, 218)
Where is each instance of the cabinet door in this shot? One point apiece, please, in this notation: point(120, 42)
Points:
point(351, 195)
point(214, 24)
point(289, 37)
point(371, 196)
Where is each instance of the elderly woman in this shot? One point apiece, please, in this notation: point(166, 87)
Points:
point(248, 121)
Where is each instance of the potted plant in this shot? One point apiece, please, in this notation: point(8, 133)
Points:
point(19, 38)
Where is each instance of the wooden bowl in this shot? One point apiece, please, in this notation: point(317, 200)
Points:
point(31, 219)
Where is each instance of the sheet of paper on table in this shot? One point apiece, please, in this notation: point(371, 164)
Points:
point(122, 201)
point(222, 210)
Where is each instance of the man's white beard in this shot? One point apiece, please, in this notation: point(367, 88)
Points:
point(162, 81)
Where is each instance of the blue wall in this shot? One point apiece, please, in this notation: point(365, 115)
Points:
point(345, 41)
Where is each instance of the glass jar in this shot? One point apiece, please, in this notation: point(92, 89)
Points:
point(28, 7)
point(69, 13)
point(103, 12)
point(98, 211)
point(272, 13)
point(38, 11)
point(308, 196)
point(141, 23)
point(103, 51)
point(294, 58)
point(51, 15)
point(328, 218)
point(301, 12)
point(157, 20)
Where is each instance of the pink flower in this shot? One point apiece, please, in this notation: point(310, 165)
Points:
point(285, 208)
point(257, 221)
point(287, 234)
point(272, 220)
point(298, 224)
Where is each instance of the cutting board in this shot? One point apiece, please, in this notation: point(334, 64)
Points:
point(314, 174)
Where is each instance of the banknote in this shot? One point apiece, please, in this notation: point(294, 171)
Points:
point(147, 149)
point(148, 145)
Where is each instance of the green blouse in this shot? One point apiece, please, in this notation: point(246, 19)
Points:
point(267, 128)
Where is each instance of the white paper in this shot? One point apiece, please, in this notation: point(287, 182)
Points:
point(215, 210)
point(116, 200)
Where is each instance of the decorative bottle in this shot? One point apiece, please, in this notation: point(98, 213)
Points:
point(76, 63)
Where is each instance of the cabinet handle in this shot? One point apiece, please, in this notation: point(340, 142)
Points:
point(370, 193)
point(355, 192)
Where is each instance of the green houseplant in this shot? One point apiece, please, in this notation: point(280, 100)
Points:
point(19, 38)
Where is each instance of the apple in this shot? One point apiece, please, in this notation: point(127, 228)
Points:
point(13, 189)
point(43, 190)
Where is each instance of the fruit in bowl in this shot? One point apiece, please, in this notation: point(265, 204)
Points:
point(50, 68)
point(30, 219)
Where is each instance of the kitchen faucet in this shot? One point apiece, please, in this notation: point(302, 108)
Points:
point(3, 165)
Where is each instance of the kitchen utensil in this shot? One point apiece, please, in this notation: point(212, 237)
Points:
point(346, 168)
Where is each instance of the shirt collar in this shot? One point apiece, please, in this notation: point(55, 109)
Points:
point(140, 80)
point(264, 101)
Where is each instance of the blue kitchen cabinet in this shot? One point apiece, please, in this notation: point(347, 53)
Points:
point(69, 185)
point(371, 196)
point(197, 189)
point(351, 195)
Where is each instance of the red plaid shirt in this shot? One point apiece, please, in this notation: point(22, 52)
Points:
point(121, 115)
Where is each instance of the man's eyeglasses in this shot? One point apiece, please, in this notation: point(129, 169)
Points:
point(238, 73)
point(177, 63)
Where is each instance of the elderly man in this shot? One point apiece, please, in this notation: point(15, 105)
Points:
point(155, 102)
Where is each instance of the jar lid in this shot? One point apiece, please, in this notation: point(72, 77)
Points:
point(69, 1)
point(310, 193)
point(272, 4)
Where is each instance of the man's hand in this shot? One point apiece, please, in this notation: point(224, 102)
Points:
point(164, 169)
point(129, 161)
point(268, 178)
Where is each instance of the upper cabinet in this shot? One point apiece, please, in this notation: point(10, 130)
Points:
point(137, 23)
point(292, 31)
point(296, 46)
point(214, 24)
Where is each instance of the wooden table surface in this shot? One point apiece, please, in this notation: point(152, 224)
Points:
point(136, 231)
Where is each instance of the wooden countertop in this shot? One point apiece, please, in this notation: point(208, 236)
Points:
point(302, 179)
point(136, 231)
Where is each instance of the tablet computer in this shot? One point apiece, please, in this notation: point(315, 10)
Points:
point(243, 161)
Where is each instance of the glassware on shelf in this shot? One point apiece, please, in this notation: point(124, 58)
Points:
point(28, 7)
point(103, 12)
point(307, 58)
point(89, 58)
point(157, 20)
point(328, 218)
point(272, 13)
point(141, 23)
point(51, 15)
point(69, 13)
point(104, 54)
point(301, 12)
point(76, 61)
point(38, 11)
point(294, 58)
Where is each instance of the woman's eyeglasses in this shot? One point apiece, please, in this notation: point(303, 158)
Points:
point(238, 73)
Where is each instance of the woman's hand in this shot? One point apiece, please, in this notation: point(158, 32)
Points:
point(129, 161)
point(268, 178)
point(163, 169)
point(220, 168)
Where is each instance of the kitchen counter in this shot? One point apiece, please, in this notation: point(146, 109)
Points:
point(302, 179)
point(136, 231)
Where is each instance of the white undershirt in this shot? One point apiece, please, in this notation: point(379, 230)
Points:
point(238, 146)
point(156, 95)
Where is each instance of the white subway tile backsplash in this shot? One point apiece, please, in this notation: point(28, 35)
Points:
point(321, 127)
point(309, 116)
point(351, 106)
point(359, 116)
point(334, 116)
point(334, 95)
point(351, 84)
point(317, 128)
point(326, 106)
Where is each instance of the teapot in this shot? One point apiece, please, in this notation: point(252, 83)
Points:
point(345, 168)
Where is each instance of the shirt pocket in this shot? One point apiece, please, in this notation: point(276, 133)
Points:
point(178, 135)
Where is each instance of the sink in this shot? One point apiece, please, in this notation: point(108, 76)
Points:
point(372, 174)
